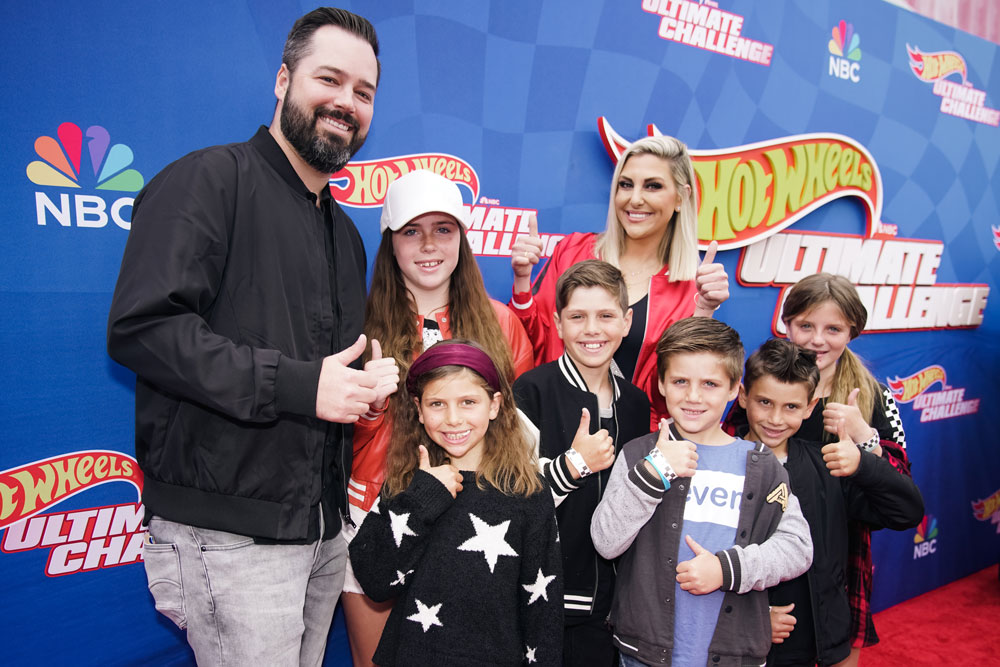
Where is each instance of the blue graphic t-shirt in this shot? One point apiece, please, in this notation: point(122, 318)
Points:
point(711, 514)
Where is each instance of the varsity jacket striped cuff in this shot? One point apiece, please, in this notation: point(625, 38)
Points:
point(648, 482)
point(731, 573)
point(558, 476)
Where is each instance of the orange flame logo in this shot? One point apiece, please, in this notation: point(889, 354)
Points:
point(748, 193)
point(34, 487)
point(933, 66)
point(987, 507)
point(904, 390)
point(363, 184)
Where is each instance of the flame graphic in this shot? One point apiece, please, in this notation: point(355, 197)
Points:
point(363, 183)
point(933, 66)
point(986, 509)
point(61, 160)
point(904, 390)
point(29, 489)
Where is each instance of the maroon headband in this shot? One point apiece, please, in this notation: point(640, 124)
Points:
point(453, 354)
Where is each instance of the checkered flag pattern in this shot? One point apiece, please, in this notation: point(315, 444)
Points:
point(892, 414)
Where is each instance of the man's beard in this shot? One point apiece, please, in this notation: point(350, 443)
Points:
point(326, 153)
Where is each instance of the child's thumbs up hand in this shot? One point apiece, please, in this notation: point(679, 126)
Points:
point(852, 398)
point(682, 455)
point(695, 547)
point(703, 573)
point(842, 457)
point(712, 282)
point(782, 622)
point(387, 373)
point(857, 428)
point(597, 449)
point(447, 474)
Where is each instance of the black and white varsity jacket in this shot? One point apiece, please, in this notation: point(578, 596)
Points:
point(552, 396)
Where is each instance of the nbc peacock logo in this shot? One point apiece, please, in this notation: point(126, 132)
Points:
point(845, 52)
point(925, 539)
point(63, 164)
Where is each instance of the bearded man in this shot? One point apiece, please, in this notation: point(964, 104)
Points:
point(239, 307)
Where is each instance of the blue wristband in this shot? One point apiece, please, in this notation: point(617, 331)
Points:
point(666, 482)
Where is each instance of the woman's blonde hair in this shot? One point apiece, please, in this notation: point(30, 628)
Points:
point(815, 290)
point(508, 462)
point(679, 246)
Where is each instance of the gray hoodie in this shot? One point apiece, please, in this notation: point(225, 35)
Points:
point(641, 522)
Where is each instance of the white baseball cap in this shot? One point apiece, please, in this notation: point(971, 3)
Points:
point(417, 193)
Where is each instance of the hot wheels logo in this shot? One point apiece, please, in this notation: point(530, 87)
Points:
point(364, 184)
point(957, 99)
point(906, 389)
point(946, 403)
point(933, 66)
point(32, 488)
point(988, 509)
point(492, 229)
point(748, 193)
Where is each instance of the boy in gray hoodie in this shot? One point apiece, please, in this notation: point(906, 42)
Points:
point(700, 600)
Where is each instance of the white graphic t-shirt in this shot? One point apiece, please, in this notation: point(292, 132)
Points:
point(711, 514)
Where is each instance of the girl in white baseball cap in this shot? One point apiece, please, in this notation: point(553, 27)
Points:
point(426, 286)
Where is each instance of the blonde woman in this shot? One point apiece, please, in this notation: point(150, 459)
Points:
point(651, 236)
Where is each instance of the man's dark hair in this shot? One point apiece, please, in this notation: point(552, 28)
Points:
point(786, 362)
point(299, 40)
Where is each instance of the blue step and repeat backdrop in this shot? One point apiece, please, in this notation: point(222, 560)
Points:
point(846, 136)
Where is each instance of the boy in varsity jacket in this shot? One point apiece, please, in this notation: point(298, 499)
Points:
point(584, 412)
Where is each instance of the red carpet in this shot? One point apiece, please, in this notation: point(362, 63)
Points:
point(957, 624)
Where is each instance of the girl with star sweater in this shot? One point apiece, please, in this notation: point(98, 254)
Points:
point(464, 535)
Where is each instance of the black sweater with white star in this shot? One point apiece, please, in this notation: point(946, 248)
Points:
point(477, 579)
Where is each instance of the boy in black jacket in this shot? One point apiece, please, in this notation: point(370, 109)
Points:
point(810, 616)
point(584, 412)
